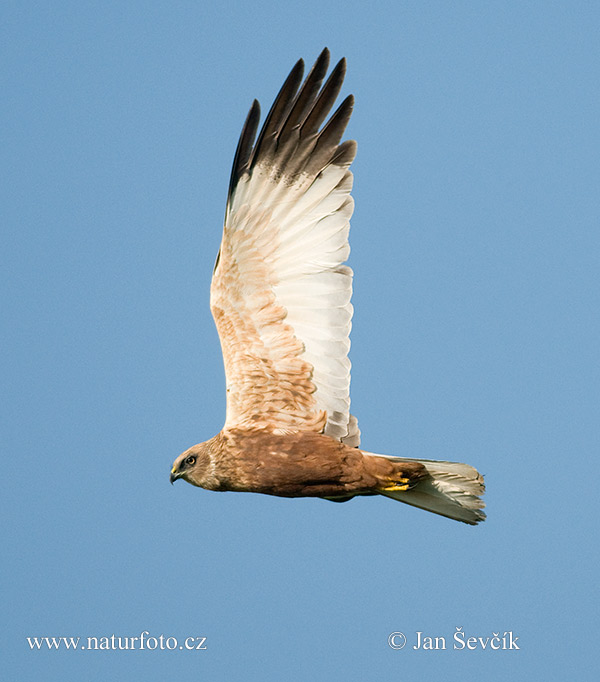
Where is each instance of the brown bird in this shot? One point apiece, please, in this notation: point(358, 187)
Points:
point(280, 297)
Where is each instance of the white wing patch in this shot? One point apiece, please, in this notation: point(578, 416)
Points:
point(315, 289)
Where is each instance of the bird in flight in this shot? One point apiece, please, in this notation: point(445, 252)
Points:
point(280, 297)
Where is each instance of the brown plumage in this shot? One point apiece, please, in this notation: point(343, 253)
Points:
point(297, 464)
point(280, 297)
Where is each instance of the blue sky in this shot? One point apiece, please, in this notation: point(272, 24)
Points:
point(475, 244)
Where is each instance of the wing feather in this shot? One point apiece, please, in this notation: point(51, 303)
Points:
point(280, 293)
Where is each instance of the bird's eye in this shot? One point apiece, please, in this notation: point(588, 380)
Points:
point(190, 461)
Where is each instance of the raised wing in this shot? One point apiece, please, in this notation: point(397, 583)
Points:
point(280, 294)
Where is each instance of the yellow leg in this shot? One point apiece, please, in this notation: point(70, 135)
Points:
point(398, 485)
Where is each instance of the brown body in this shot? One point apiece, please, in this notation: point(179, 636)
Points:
point(297, 464)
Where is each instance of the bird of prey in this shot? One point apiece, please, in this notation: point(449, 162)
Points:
point(280, 297)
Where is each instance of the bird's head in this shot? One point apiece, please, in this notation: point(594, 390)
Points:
point(194, 466)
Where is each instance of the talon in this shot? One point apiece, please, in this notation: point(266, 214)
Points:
point(399, 485)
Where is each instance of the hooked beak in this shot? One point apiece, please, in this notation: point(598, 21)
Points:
point(174, 475)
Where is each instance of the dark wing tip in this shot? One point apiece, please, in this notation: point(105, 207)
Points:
point(244, 146)
point(278, 112)
point(290, 140)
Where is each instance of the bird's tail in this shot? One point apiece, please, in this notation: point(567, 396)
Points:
point(450, 489)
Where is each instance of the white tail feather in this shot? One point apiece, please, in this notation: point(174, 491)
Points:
point(453, 490)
